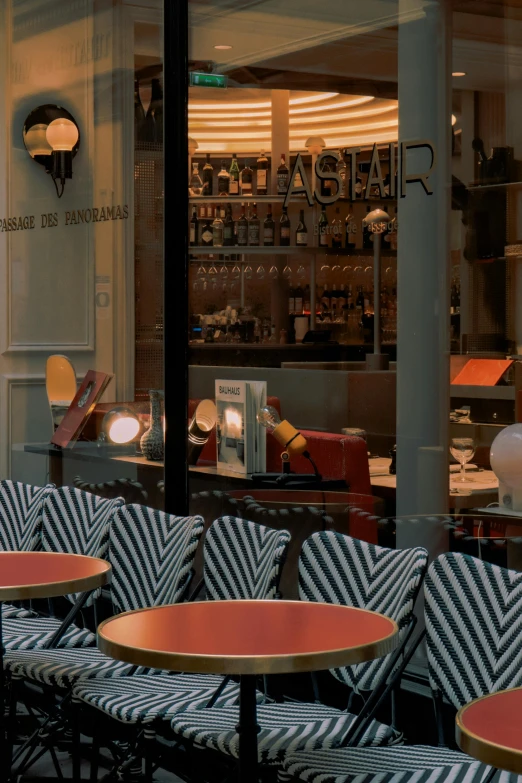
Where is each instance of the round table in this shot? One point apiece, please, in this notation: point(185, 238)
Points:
point(248, 638)
point(25, 575)
point(490, 729)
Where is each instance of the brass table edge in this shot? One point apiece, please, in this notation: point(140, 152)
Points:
point(55, 589)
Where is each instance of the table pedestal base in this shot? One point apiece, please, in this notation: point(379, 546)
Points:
point(248, 730)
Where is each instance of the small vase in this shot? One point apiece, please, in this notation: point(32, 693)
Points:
point(151, 442)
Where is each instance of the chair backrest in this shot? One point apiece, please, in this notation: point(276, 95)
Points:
point(473, 621)
point(78, 523)
point(21, 510)
point(151, 555)
point(243, 559)
point(335, 568)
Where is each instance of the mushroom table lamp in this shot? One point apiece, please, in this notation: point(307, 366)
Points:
point(506, 461)
point(377, 222)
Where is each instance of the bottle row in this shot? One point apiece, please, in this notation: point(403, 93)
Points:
point(214, 226)
point(231, 180)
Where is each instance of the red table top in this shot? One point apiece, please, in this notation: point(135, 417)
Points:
point(248, 637)
point(48, 574)
point(490, 729)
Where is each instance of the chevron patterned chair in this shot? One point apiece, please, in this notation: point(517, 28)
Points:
point(151, 554)
point(241, 560)
point(21, 507)
point(75, 522)
point(333, 568)
point(472, 613)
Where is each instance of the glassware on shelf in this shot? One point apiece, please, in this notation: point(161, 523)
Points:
point(336, 268)
point(273, 272)
point(301, 272)
point(462, 450)
point(213, 278)
point(196, 185)
point(248, 273)
point(287, 272)
point(325, 271)
point(347, 270)
point(236, 272)
point(223, 273)
point(260, 272)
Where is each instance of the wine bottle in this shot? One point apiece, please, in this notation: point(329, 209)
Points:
point(350, 229)
point(284, 228)
point(228, 230)
point(242, 228)
point(217, 230)
point(208, 177)
point(342, 170)
point(234, 176)
point(223, 180)
point(307, 307)
point(253, 228)
point(333, 300)
point(196, 185)
point(341, 300)
point(269, 228)
point(349, 298)
point(301, 233)
point(193, 229)
point(139, 112)
point(359, 302)
point(325, 300)
point(367, 234)
point(291, 300)
point(207, 232)
point(337, 230)
point(247, 176)
point(323, 227)
point(262, 175)
point(282, 177)
point(298, 300)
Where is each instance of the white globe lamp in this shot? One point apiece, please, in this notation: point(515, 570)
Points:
point(506, 462)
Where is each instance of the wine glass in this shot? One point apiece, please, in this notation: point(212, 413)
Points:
point(287, 272)
point(301, 272)
point(273, 272)
point(248, 273)
point(462, 450)
point(260, 272)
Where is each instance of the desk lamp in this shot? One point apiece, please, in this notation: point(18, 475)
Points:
point(119, 431)
point(377, 222)
point(506, 461)
point(286, 435)
point(200, 427)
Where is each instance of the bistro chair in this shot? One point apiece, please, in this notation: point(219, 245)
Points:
point(21, 508)
point(472, 614)
point(241, 560)
point(333, 568)
point(151, 555)
point(74, 522)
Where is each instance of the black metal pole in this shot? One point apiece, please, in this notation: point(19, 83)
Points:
point(176, 254)
point(248, 730)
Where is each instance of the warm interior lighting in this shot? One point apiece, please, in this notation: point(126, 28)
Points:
point(222, 46)
point(124, 430)
point(36, 141)
point(459, 73)
point(62, 135)
point(233, 423)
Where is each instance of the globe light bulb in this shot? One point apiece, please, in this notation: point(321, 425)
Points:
point(62, 135)
point(35, 140)
point(124, 430)
point(268, 417)
point(506, 456)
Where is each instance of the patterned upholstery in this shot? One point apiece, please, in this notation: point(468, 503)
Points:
point(21, 507)
point(284, 727)
point(243, 559)
point(472, 612)
point(151, 553)
point(34, 632)
point(335, 568)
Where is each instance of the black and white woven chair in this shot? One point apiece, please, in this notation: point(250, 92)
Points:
point(473, 612)
point(241, 560)
point(21, 508)
point(333, 568)
point(151, 554)
point(74, 522)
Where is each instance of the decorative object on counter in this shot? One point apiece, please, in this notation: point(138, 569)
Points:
point(200, 427)
point(83, 404)
point(462, 450)
point(354, 432)
point(120, 430)
point(152, 441)
point(52, 138)
point(60, 384)
point(377, 223)
point(241, 442)
point(506, 461)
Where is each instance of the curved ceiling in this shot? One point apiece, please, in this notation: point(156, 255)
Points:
point(241, 120)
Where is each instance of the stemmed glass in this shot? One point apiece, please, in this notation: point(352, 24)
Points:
point(462, 450)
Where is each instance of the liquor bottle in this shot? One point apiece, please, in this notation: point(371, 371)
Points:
point(325, 300)
point(253, 228)
point(333, 300)
point(228, 230)
point(349, 298)
point(307, 307)
point(194, 224)
point(326, 184)
point(342, 301)
point(367, 234)
point(208, 177)
point(284, 228)
point(299, 297)
point(139, 112)
point(359, 302)
point(301, 234)
point(217, 230)
point(242, 228)
point(234, 176)
point(342, 170)
point(202, 213)
point(323, 226)
point(337, 230)
point(207, 232)
point(457, 298)
point(247, 176)
point(223, 180)
point(282, 177)
point(196, 185)
point(291, 300)
point(349, 231)
point(262, 175)
point(269, 228)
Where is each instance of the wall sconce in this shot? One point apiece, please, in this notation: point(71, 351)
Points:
point(52, 138)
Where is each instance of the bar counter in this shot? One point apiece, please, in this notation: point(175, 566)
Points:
point(273, 355)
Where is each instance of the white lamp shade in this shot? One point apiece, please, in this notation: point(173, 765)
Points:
point(506, 456)
point(36, 142)
point(315, 145)
point(123, 430)
point(62, 135)
point(192, 146)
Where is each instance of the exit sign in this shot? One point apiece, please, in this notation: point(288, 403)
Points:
point(207, 79)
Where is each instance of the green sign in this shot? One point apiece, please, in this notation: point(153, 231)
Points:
point(207, 79)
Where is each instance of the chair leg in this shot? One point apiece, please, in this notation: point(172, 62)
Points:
point(149, 736)
point(12, 724)
point(95, 758)
point(76, 757)
point(491, 774)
